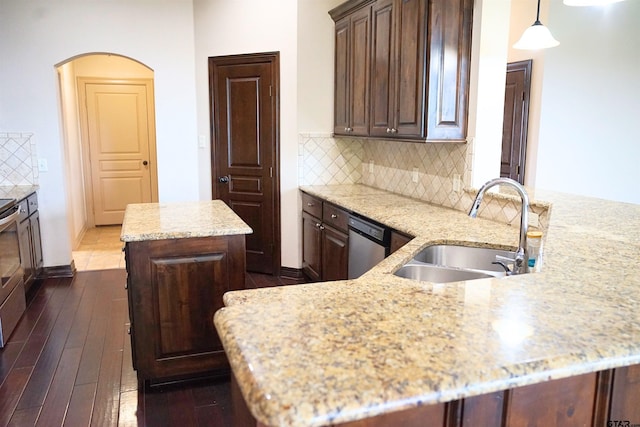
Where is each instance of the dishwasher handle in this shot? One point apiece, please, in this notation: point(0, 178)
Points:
point(372, 231)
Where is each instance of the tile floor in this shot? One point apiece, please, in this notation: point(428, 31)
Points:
point(100, 249)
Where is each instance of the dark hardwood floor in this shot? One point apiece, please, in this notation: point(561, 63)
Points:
point(68, 363)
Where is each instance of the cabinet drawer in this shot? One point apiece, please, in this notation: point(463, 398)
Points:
point(312, 205)
point(334, 216)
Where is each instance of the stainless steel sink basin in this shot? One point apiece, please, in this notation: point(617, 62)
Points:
point(453, 263)
point(438, 274)
point(466, 257)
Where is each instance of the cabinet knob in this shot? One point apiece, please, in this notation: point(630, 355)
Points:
point(346, 129)
point(394, 130)
point(144, 162)
point(334, 216)
point(388, 130)
point(223, 179)
point(129, 330)
point(322, 227)
point(318, 224)
point(309, 204)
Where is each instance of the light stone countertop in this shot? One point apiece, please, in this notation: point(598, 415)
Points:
point(322, 353)
point(178, 220)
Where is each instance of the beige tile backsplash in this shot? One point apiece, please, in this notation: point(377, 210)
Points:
point(395, 166)
point(18, 160)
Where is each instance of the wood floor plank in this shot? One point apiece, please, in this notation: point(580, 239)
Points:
point(80, 405)
point(106, 408)
point(131, 412)
point(55, 405)
point(10, 392)
point(45, 367)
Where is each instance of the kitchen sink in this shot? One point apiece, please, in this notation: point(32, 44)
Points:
point(438, 274)
point(452, 263)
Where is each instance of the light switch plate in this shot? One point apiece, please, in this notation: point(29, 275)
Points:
point(43, 165)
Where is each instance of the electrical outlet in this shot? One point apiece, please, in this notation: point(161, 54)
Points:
point(456, 183)
point(534, 220)
point(42, 165)
point(414, 175)
point(370, 166)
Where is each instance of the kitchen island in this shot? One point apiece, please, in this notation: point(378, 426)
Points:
point(181, 258)
point(482, 351)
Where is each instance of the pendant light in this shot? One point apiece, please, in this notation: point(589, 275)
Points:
point(536, 36)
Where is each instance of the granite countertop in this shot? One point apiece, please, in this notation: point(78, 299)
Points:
point(159, 221)
point(341, 351)
point(17, 192)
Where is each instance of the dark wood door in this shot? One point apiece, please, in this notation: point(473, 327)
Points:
point(516, 116)
point(382, 71)
point(245, 164)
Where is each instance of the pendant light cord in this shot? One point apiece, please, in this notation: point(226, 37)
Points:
point(538, 15)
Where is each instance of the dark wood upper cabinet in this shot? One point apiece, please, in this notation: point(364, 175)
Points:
point(418, 77)
point(352, 68)
point(398, 62)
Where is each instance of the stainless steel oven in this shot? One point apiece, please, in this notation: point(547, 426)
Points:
point(12, 298)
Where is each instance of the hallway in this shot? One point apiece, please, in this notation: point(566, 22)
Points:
point(100, 249)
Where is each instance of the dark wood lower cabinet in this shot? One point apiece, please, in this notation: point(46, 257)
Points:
point(174, 288)
point(603, 398)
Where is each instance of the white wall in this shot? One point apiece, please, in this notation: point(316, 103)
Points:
point(591, 102)
point(36, 35)
point(487, 84)
point(251, 26)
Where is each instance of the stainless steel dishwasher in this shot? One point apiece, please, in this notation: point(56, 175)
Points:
point(368, 245)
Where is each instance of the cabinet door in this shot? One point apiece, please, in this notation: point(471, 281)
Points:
point(449, 56)
point(26, 258)
point(36, 242)
point(311, 247)
point(341, 76)
point(175, 288)
point(352, 62)
point(382, 70)
point(359, 71)
point(411, 36)
point(335, 254)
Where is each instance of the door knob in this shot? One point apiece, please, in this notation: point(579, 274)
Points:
point(223, 179)
point(144, 162)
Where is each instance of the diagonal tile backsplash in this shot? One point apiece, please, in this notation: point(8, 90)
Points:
point(18, 160)
point(422, 171)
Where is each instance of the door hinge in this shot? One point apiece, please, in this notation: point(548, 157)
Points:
point(270, 172)
point(270, 91)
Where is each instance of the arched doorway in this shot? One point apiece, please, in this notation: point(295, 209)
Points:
point(107, 109)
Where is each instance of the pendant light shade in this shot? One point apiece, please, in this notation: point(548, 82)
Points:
point(536, 36)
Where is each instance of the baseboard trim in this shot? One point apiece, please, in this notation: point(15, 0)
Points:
point(58, 271)
point(293, 274)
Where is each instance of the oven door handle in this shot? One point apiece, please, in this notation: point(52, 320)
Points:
point(9, 219)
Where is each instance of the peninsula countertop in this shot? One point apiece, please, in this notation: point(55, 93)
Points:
point(178, 220)
point(341, 351)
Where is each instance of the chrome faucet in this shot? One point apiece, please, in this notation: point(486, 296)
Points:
point(520, 261)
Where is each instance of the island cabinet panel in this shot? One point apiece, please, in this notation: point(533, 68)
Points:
point(594, 399)
point(174, 288)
